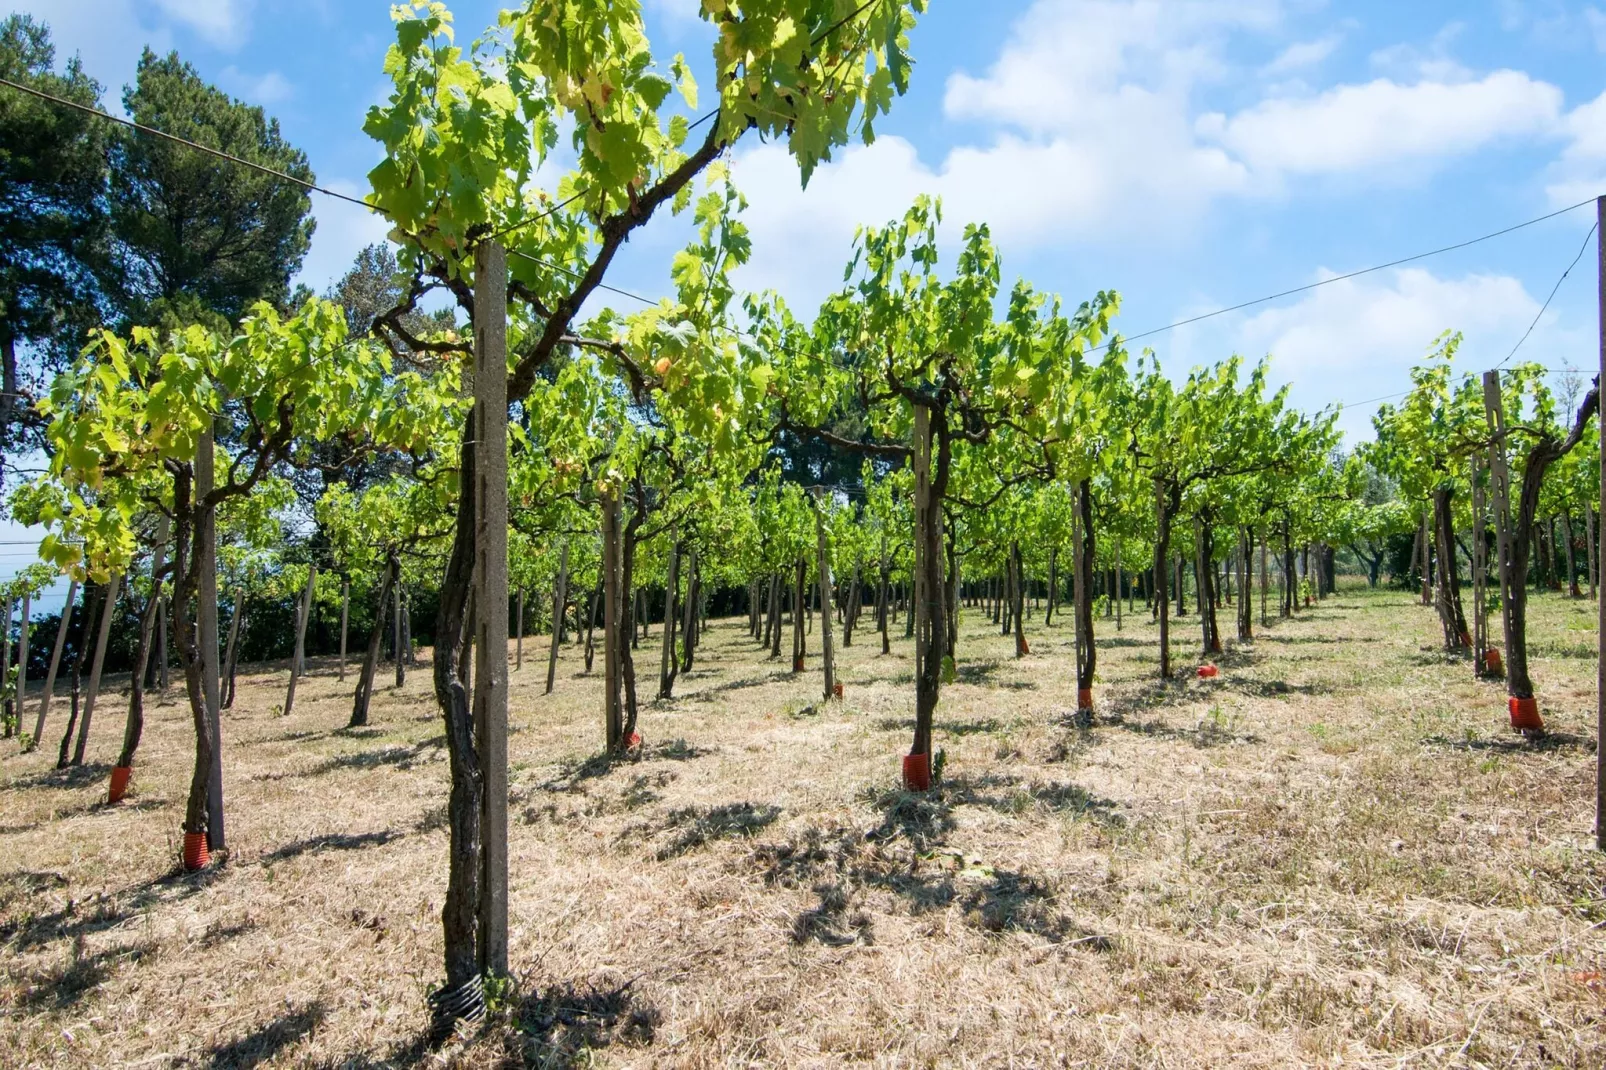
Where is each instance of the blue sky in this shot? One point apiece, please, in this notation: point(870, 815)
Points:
point(1188, 153)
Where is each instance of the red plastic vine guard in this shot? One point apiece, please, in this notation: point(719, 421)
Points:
point(1022, 646)
point(1208, 672)
point(1525, 714)
point(797, 664)
point(1491, 660)
point(917, 772)
point(836, 689)
point(634, 741)
point(119, 784)
point(1084, 698)
point(196, 855)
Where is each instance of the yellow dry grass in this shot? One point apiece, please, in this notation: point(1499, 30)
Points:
point(1335, 854)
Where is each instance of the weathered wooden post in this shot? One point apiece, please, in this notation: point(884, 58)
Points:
point(55, 662)
point(103, 633)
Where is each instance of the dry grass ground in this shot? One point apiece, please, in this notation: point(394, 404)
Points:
point(1334, 854)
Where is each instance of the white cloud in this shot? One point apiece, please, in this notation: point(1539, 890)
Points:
point(266, 89)
point(1353, 340)
point(107, 37)
point(222, 23)
point(1356, 127)
point(1300, 56)
point(1580, 172)
point(1089, 127)
point(1080, 65)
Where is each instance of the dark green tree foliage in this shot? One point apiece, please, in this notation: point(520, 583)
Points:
point(196, 241)
point(52, 221)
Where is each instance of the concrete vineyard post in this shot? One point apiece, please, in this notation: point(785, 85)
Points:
point(490, 593)
point(1600, 563)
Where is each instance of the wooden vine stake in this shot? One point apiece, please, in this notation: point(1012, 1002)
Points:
point(1500, 487)
point(55, 662)
point(103, 633)
point(5, 657)
point(22, 653)
point(490, 594)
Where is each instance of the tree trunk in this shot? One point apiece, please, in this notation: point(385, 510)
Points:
point(460, 912)
point(799, 636)
point(612, 706)
point(883, 608)
point(772, 629)
point(1086, 550)
point(1017, 599)
point(102, 636)
point(370, 661)
point(688, 626)
point(669, 665)
point(1451, 616)
point(232, 658)
point(298, 659)
point(1209, 589)
point(1162, 566)
point(591, 626)
point(827, 654)
point(931, 480)
point(396, 644)
point(94, 609)
point(345, 616)
point(1053, 588)
point(1568, 558)
point(560, 600)
point(134, 726)
point(1545, 452)
point(1589, 543)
